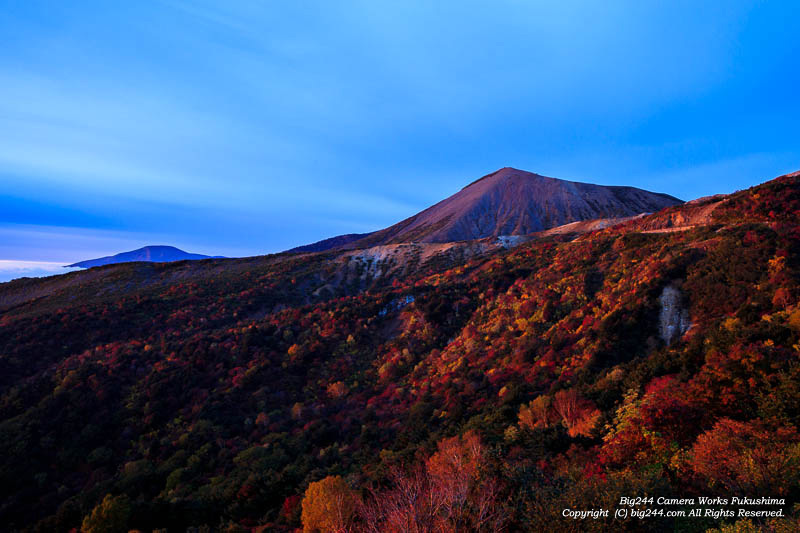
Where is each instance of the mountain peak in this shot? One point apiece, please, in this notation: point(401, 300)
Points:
point(510, 201)
point(504, 173)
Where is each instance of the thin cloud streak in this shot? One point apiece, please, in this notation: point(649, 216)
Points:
point(11, 270)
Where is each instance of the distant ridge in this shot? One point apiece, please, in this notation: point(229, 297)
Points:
point(333, 242)
point(153, 254)
point(508, 201)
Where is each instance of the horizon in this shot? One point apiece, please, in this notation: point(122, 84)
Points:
point(15, 269)
point(248, 129)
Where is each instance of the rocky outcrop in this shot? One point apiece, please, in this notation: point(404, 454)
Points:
point(692, 214)
point(673, 319)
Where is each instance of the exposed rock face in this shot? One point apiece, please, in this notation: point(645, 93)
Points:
point(673, 320)
point(692, 214)
point(510, 241)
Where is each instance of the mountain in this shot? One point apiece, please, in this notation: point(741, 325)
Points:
point(510, 202)
point(496, 384)
point(153, 254)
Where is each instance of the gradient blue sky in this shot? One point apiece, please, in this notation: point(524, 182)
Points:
point(241, 128)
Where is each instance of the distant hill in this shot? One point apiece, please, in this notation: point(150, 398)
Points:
point(152, 254)
point(509, 202)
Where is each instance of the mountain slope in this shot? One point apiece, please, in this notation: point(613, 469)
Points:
point(558, 374)
point(153, 254)
point(328, 244)
point(515, 202)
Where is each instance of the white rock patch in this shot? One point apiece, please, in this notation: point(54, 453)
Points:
point(673, 320)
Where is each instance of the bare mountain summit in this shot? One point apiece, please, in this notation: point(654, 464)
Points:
point(515, 202)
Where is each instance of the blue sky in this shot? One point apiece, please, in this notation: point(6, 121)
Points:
point(242, 128)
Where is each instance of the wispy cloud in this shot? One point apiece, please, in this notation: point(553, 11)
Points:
point(10, 270)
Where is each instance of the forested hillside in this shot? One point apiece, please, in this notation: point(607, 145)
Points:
point(478, 390)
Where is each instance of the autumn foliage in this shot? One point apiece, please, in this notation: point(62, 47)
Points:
point(328, 506)
point(747, 458)
point(453, 492)
point(442, 393)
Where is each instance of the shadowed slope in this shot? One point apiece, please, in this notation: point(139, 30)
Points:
point(333, 242)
